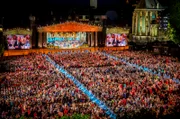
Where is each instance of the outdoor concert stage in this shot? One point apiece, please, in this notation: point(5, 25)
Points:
point(65, 37)
point(92, 49)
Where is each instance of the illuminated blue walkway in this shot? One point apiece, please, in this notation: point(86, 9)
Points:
point(102, 105)
point(145, 69)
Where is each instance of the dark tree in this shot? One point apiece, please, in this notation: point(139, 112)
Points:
point(174, 21)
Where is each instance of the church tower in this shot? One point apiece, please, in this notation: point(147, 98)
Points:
point(32, 28)
point(93, 3)
point(145, 24)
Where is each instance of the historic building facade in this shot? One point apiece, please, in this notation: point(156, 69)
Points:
point(145, 24)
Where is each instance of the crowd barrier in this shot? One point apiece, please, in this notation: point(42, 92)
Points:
point(46, 50)
point(94, 99)
point(145, 69)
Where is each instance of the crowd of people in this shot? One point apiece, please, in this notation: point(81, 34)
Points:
point(34, 88)
point(125, 89)
point(83, 59)
point(168, 66)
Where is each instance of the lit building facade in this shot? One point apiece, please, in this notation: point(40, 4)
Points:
point(163, 22)
point(145, 24)
point(93, 3)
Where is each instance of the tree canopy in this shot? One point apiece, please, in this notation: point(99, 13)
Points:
point(76, 116)
point(2, 45)
point(175, 13)
point(1, 49)
point(172, 35)
point(174, 26)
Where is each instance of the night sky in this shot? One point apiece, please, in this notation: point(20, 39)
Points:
point(17, 11)
point(69, 2)
point(22, 7)
point(85, 2)
point(100, 2)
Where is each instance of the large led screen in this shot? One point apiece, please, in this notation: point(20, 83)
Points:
point(66, 39)
point(116, 40)
point(18, 41)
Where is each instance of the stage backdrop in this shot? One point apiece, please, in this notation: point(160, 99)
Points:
point(18, 38)
point(116, 37)
point(66, 39)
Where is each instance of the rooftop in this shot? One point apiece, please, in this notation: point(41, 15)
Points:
point(149, 4)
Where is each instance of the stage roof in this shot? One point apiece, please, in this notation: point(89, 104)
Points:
point(70, 27)
point(118, 30)
point(17, 31)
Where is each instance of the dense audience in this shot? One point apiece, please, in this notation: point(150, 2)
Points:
point(124, 88)
point(168, 66)
point(84, 59)
point(36, 89)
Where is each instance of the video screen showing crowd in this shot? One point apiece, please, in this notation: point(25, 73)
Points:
point(116, 40)
point(18, 41)
point(66, 39)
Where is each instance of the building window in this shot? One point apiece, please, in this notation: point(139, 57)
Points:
point(153, 16)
